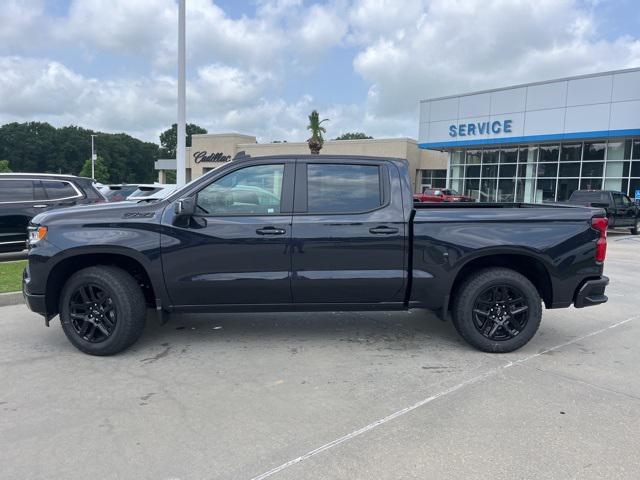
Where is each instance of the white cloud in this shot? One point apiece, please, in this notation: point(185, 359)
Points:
point(454, 47)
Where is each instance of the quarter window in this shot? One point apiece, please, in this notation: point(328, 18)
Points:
point(254, 190)
point(57, 189)
point(343, 188)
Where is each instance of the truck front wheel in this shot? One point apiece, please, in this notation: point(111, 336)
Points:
point(497, 310)
point(102, 310)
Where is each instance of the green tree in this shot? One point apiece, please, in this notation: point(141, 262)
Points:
point(353, 136)
point(315, 126)
point(4, 166)
point(101, 170)
point(169, 138)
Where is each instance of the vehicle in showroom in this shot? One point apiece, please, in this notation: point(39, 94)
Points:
point(331, 233)
point(440, 195)
point(622, 212)
point(24, 195)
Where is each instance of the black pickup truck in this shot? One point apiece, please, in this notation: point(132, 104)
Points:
point(312, 233)
point(621, 211)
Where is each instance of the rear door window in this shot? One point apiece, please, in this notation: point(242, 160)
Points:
point(16, 190)
point(343, 188)
point(58, 189)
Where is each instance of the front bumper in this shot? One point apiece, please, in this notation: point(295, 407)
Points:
point(36, 303)
point(592, 293)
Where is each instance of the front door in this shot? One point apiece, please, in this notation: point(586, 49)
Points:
point(235, 249)
point(625, 211)
point(348, 233)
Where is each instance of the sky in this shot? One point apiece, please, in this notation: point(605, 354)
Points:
point(260, 67)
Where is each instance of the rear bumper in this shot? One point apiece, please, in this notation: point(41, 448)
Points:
point(591, 293)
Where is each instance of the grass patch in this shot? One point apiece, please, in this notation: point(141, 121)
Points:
point(11, 276)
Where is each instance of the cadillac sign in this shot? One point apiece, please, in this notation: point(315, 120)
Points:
point(200, 157)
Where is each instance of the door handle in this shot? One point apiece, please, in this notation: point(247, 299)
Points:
point(40, 206)
point(271, 231)
point(383, 230)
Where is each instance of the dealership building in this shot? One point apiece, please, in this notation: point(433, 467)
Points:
point(541, 141)
point(428, 168)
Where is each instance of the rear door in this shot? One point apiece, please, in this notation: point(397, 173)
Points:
point(625, 212)
point(19, 199)
point(348, 232)
point(59, 194)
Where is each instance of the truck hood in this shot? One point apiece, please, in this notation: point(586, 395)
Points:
point(107, 212)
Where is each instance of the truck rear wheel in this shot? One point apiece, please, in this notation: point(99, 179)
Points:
point(497, 310)
point(102, 310)
point(634, 229)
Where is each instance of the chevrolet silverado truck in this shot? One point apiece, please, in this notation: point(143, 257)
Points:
point(312, 233)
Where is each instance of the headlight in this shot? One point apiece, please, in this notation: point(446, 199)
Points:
point(36, 234)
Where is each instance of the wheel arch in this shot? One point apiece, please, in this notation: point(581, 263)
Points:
point(533, 268)
point(75, 261)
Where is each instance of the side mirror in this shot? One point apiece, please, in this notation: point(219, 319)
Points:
point(185, 207)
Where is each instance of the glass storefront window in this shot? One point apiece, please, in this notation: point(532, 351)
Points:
point(619, 150)
point(616, 184)
point(566, 186)
point(591, 184)
point(617, 169)
point(490, 156)
point(592, 169)
point(457, 171)
point(509, 155)
point(635, 169)
point(636, 149)
point(594, 150)
point(508, 170)
point(547, 170)
point(548, 153)
point(634, 184)
point(546, 190)
point(527, 154)
point(472, 171)
point(570, 169)
point(471, 188)
point(506, 190)
point(457, 184)
point(457, 157)
point(571, 152)
point(473, 156)
point(489, 170)
point(525, 190)
point(488, 190)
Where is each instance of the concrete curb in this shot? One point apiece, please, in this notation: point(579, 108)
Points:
point(11, 298)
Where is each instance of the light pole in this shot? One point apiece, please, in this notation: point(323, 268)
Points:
point(93, 157)
point(181, 147)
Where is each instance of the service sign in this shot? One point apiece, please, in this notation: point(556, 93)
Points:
point(477, 129)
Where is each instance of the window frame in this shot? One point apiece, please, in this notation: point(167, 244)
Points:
point(286, 196)
point(301, 197)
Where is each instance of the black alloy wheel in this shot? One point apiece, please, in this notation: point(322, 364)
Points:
point(92, 313)
point(500, 312)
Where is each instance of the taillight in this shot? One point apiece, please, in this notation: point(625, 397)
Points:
point(600, 224)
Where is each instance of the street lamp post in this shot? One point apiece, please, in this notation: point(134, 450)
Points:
point(93, 157)
point(181, 147)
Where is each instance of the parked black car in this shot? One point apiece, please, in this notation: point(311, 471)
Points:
point(24, 195)
point(622, 212)
point(302, 233)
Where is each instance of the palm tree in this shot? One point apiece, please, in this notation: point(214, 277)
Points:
point(315, 125)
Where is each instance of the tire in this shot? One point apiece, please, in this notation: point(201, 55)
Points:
point(634, 229)
point(114, 315)
point(485, 299)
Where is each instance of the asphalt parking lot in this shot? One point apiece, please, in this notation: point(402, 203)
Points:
point(331, 396)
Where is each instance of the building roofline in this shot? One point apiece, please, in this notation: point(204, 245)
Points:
point(543, 82)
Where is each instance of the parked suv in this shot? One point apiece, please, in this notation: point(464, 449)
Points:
point(622, 212)
point(24, 195)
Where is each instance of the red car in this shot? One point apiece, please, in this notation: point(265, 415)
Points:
point(440, 195)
